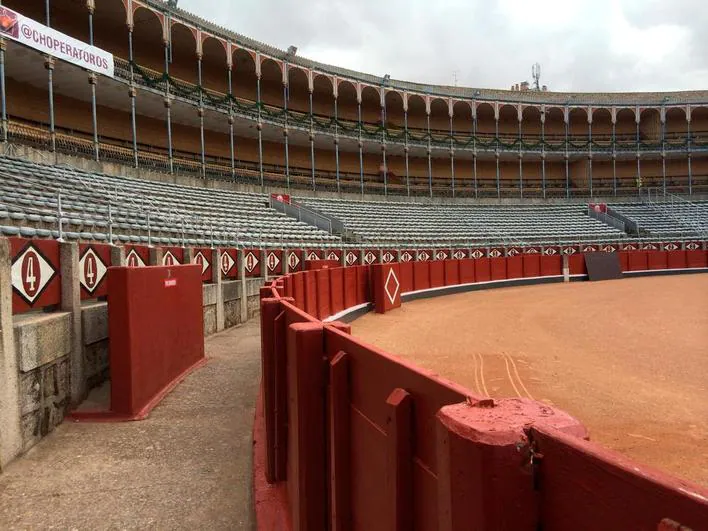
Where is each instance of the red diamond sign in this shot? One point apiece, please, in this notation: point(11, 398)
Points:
point(441, 255)
point(392, 286)
point(332, 256)
point(477, 253)
point(351, 258)
point(458, 255)
point(169, 259)
point(692, 246)
point(495, 253)
point(273, 261)
point(423, 256)
point(549, 251)
point(250, 262)
point(293, 261)
point(91, 270)
point(388, 257)
point(31, 273)
point(369, 257)
point(406, 256)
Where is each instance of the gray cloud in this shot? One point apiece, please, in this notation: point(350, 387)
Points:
point(582, 45)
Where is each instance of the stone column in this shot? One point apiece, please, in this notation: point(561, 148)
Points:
point(10, 430)
point(71, 302)
point(155, 256)
point(118, 256)
point(216, 279)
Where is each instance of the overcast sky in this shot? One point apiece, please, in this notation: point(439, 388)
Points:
point(582, 45)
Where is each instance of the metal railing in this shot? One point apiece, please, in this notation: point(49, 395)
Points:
point(683, 212)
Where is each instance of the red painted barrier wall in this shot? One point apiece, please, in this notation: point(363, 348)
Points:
point(322, 282)
point(386, 287)
point(421, 275)
point(482, 269)
point(551, 265)
point(698, 258)
point(514, 266)
point(532, 265)
point(497, 268)
point(637, 261)
point(310, 294)
point(156, 334)
point(437, 274)
point(363, 284)
point(467, 268)
point(312, 265)
point(406, 271)
point(657, 260)
point(336, 290)
point(676, 259)
point(299, 289)
point(351, 287)
point(452, 272)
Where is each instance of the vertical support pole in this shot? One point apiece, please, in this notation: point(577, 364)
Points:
point(543, 152)
point(232, 151)
point(430, 163)
point(3, 91)
point(49, 65)
point(71, 302)
point(285, 135)
point(452, 155)
point(639, 160)
point(336, 141)
point(689, 150)
point(10, 409)
point(259, 126)
point(474, 149)
point(405, 150)
point(662, 119)
point(168, 106)
point(200, 110)
point(521, 158)
point(590, 148)
point(496, 148)
point(614, 156)
point(92, 81)
point(566, 120)
point(312, 144)
point(383, 147)
point(361, 147)
point(132, 93)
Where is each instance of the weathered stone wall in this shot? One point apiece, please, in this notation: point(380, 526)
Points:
point(42, 346)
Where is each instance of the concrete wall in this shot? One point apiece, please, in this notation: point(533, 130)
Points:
point(50, 359)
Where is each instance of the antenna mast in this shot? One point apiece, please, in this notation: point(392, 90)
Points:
point(536, 74)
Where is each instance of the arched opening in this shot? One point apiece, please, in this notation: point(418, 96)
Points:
point(110, 30)
point(298, 90)
point(486, 127)
point(554, 126)
point(508, 123)
point(394, 111)
point(323, 96)
point(346, 103)
point(371, 106)
point(578, 127)
point(243, 73)
point(626, 127)
point(183, 54)
point(417, 118)
point(214, 65)
point(699, 126)
point(676, 125)
point(602, 127)
point(462, 120)
point(531, 124)
point(148, 44)
point(439, 117)
point(650, 127)
point(271, 83)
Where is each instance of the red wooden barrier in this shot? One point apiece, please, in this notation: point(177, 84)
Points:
point(310, 294)
point(452, 272)
point(322, 288)
point(551, 262)
point(637, 261)
point(406, 270)
point(697, 258)
point(363, 284)
point(514, 266)
point(351, 287)
point(336, 290)
point(421, 275)
point(298, 290)
point(437, 274)
point(386, 287)
point(482, 269)
point(312, 265)
point(497, 268)
point(156, 335)
point(676, 259)
point(657, 260)
point(467, 275)
point(532, 265)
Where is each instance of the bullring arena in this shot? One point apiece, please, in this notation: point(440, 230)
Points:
point(240, 289)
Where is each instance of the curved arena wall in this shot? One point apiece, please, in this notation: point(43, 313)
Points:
point(350, 437)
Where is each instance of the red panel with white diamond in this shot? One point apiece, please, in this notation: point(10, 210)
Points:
point(137, 255)
point(294, 260)
point(371, 256)
point(94, 261)
point(407, 255)
point(388, 256)
point(351, 257)
point(35, 274)
point(274, 261)
point(202, 257)
point(228, 263)
point(334, 255)
point(423, 255)
point(252, 262)
point(172, 256)
point(314, 254)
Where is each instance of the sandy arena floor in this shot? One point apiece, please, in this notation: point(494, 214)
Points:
point(629, 358)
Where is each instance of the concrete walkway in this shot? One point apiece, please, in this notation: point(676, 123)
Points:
point(188, 466)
